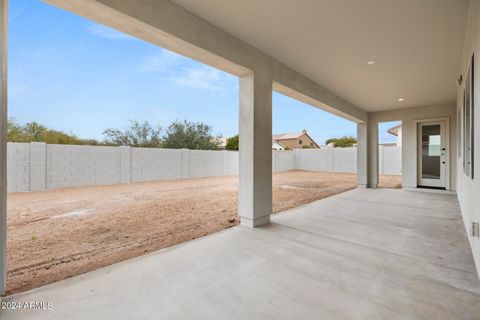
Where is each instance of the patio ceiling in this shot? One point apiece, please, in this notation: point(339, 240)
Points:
point(416, 45)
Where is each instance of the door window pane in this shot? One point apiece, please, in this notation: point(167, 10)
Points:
point(431, 151)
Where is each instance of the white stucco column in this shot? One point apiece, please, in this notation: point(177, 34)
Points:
point(255, 179)
point(3, 143)
point(362, 168)
point(367, 154)
point(372, 153)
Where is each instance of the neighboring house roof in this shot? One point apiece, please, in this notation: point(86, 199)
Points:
point(287, 136)
point(394, 130)
point(278, 145)
point(294, 135)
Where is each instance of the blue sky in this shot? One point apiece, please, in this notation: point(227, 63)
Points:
point(75, 75)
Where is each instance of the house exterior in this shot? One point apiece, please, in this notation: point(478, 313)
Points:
point(396, 131)
point(406, 60)
point(221, 142)
point(277, 145)
point(295, 140)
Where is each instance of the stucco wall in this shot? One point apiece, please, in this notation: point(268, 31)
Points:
point(410, 118)
point(468, 190)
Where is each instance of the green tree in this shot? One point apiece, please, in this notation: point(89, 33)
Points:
point(139, 134)
point(14, 132)
point(232, 143)
point(190, 135)
point(342, 142)
point(35, 132)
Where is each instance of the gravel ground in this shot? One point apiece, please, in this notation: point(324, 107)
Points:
point(57, 234)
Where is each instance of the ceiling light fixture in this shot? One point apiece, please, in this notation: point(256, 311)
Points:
point(400, 99)
point(371, 62)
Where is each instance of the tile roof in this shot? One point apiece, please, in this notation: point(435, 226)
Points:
point(285, 136)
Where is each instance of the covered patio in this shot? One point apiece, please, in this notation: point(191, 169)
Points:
point(363, 254)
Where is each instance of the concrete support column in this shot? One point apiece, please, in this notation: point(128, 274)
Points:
point(38, 166)
point(372, 156)
point(367, 154)
point(274, 160)
point(3, 143)
point(362, 163)
point(255, 179)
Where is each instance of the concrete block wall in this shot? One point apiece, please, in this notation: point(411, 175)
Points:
point(230, 163)
point(283, 161)
point(38, 160)
point(149, 164)
point(125, 164)
point(205, 164)
point(74, 166)
point(315, 159)
point(18, 167)
point(344, 159)
point(390, 160)
point(37, 166)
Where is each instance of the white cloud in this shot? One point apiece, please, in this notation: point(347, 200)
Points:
point(199, 77)
point(163, 62)
point(108, 33)
point(183, 71)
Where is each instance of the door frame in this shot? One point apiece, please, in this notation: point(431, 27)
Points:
point(447, 147)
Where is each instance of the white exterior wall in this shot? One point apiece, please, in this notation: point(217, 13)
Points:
point(38, 166)
point(410, 118)
point(468, 190)
point(399, 136)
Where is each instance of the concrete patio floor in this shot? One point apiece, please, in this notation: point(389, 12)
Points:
point(363, 254)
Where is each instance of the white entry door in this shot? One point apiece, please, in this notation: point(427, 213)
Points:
point(432, 154)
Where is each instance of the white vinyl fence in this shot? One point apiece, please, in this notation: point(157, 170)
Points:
point(38, 166)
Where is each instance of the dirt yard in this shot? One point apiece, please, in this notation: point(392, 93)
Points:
point(57, 234)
